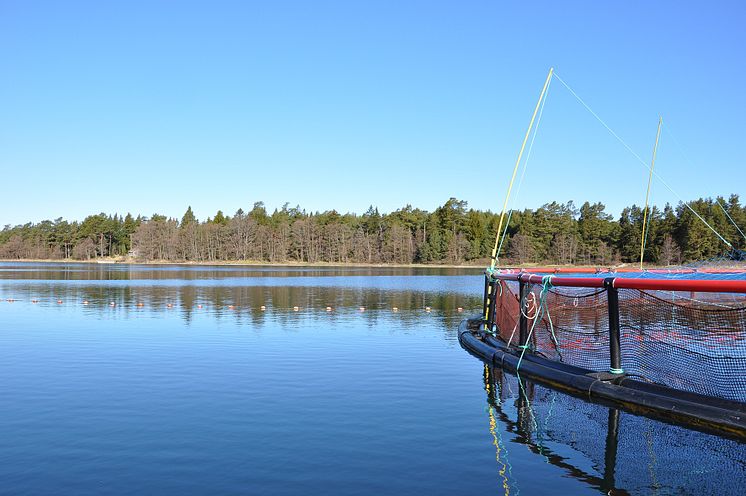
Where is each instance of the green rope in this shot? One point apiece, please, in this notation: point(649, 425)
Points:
point(546, 280)
point(546, 283)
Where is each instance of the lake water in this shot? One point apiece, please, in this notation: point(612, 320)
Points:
point(173, 380)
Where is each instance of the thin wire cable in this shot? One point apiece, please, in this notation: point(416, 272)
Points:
point(642, 161)
point(523, 172)
point(730, 218)
point(691, 162)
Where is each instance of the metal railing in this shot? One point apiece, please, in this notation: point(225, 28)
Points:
point(610, 284)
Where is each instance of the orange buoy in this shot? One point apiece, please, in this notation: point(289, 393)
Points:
point(169, 305)
point(140, 304)
point(199, 306)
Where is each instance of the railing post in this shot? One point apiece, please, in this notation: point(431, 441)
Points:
point(493, 303)
point(486, 300)
point(522, 320)
point(615, 353)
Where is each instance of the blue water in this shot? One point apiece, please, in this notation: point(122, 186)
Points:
point(156, 395)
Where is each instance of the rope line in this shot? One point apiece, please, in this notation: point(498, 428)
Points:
point(690, 162)
point(515, 169)
point(542, 309)
point(641, 160)
point(523, 172)
point(647, 195)
point(730, 218)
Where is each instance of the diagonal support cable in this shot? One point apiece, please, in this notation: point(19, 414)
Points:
point(642, 161)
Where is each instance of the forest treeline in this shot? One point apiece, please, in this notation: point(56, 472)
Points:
point(557, 233)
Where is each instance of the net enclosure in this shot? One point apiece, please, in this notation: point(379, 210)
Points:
point(682, 328)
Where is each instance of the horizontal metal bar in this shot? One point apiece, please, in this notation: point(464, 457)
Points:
point(620, 270)
point(697, 285)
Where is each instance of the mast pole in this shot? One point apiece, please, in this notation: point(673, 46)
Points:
point(515, 169)
point(647, 195)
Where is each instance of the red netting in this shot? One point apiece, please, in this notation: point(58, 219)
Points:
point(690, 341)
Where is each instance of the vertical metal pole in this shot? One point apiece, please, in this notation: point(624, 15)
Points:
point(615, 353)
point(486, 300)
point(493, 303)
point(522, 320)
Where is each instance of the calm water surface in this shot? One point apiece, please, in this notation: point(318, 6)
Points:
point(172, 380)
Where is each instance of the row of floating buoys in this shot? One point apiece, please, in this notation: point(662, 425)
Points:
point(263, 308)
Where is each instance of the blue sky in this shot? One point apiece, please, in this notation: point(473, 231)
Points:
point(151, 106)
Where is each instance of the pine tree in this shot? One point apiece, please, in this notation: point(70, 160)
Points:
point(188, 218)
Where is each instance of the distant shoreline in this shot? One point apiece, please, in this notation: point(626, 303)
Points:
point(241, 263)
point(255, 263)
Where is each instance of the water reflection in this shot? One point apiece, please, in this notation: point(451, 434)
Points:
point(245, 294)
point(154, 272)
point(636, 454)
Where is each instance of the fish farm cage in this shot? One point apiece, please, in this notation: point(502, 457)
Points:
point(669, 343)
point(604, 447)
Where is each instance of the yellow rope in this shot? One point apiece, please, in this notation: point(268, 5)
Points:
point(647, 195)
point(515, 169)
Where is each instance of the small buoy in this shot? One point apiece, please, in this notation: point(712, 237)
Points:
point(427, 309)
point(395, 309)
point(199, 306)
point(328, 309)
point(262, 308)
point(34, 301)
point(140, 304)
point(170, 305)
point(459, 309)
point(362, 309)
point(111, 303)
point(85, 302)
point(59, 301)
point(295, 309)
point(230, 307)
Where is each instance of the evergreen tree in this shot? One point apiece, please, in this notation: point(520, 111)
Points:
point(220, 219)
point(188, 218)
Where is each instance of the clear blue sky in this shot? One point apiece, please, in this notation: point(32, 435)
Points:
point(151, 106)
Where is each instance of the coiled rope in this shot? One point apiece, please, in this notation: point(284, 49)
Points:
point(542, 310)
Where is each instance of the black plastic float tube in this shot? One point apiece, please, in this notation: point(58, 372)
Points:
point(723, 417)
